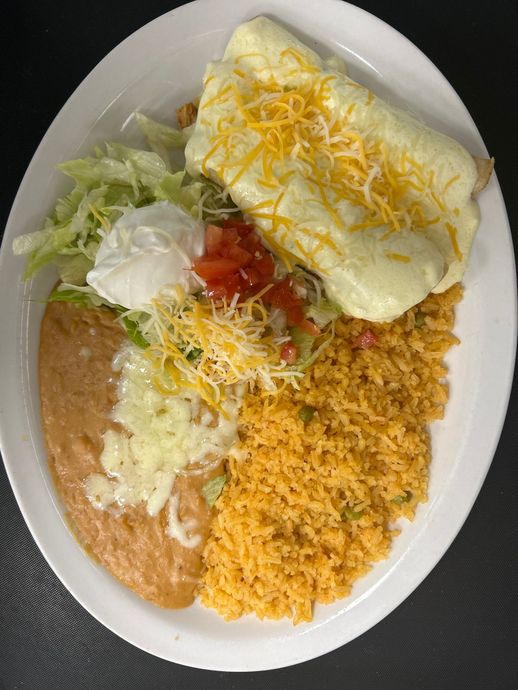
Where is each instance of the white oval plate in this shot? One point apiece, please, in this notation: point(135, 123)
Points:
point(156, 69)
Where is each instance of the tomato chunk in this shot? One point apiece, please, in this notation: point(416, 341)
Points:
point(213, 238)
point(224, 288)
point(252, 244)
point(209, 268)
point(230, 235)
point(236, 262)
point(295, 315)
point(289, 353)
point(240, 255)
point(216, 290)
point(253, 277)
point(242, 228)
point(265, 266)
point(309, 327)
point(282, 295)
point(366, 340)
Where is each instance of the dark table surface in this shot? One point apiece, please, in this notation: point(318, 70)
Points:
point(460, 627)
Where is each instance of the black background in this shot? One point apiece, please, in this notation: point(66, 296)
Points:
point(460, 627)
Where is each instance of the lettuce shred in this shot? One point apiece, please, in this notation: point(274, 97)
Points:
point(115, 179)
point(87, 297)
point(213, 488)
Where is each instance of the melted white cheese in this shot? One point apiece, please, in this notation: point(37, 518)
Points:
point(160, 436)
point(147, 248)
point(181, 531)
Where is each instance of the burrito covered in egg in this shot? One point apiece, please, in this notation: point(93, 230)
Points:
point(360, 192)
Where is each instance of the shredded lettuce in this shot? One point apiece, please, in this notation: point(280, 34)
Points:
point(72, 296)
point(133, 332)
point(43, 245)
point(115, 178)
point(178, 188)
point(87, 297)
point(73, 268)
point(137, 171)
point(193, 354)
point(161, 137)
point(84, 296)
point(305, 344)
point(169, 187)
point(195, 195)
point(213, 488)
point(322, 313)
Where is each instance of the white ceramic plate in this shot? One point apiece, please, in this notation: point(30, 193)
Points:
point(156, 69)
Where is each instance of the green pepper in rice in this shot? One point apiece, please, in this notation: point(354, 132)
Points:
point(419, 319)
point(404, 498)
point(306, 413)
point(350, 514)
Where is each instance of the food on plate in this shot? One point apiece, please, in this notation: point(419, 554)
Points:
point(186, 115)
point(484, 169)
point(316, 502)
point(145, 249)
point(78, 391)
point(250, 348)
point(374, 201)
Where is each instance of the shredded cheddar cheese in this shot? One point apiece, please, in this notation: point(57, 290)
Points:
point(207, 348)
point(296, 129)
point(404, 258)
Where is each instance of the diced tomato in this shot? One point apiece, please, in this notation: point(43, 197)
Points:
point(253, 277)
point(219, 288)
point(230, 236)
point(309, 327)
point(216, 290)
point(224, 249)
point(242, 228)
point(209, 268)
point(295, 315)
point(265, 266)
point(213, 238)
point(236, 261)
point(282, 295)
point(289, 353)
point(252, 244)
point(240, 255)
point(366, 340)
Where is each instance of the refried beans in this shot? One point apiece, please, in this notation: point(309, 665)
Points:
point(78, 389)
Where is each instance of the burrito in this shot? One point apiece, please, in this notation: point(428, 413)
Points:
point(360, 192)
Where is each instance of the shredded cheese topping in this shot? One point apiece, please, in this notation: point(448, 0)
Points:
point(296, 129)
point(207, 348)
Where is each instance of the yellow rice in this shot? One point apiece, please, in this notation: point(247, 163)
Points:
point(280, 540)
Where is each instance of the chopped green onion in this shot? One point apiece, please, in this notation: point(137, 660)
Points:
point(213, 488)
point(405, 498)
point(133, 332)
point(419, 319)
point(350, 514)
point(306, 413)
point(193, 354)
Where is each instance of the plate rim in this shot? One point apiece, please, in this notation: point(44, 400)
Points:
point(346, 7)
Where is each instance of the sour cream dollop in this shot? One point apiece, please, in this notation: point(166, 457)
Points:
point(146, 249)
